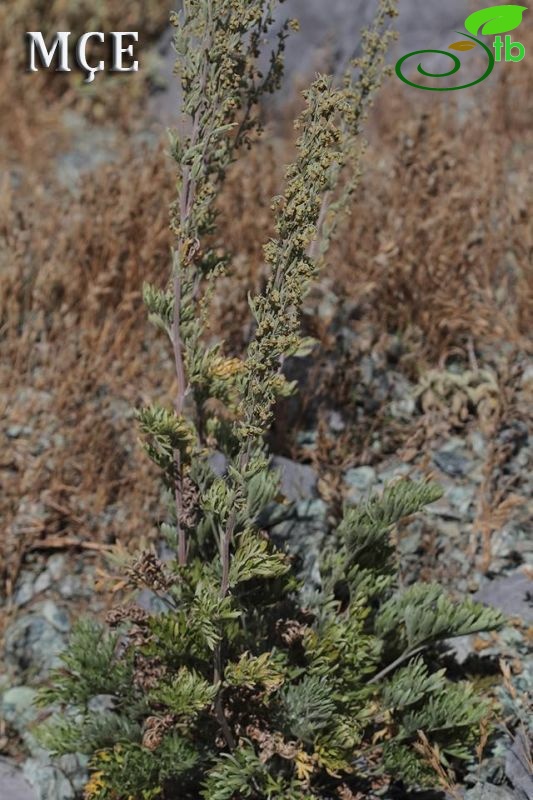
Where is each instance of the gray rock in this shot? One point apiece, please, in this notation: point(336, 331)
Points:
point(48, 781)
point(297, 481)
point(18, 708)
point(218, 463)
point(362, 478)
point(33, 641)
point(102, 702)
point(461, 647)
point(56, 566)
point(403, 408)
point(13, 784)
point(527, 376)
point(486, 791)
point(55, 616)
point(359, 482)
point(512, 594)
point(478, 443)
point(515, 435)
point(91, 146)
point(16, 431)
point(461, 498)
point(147, 600)
point(25, 589)
point(71, 586)
point(452, 462)
point(336, 422)
point(391, 471)
point(518, 767)
point(42, 583)
point(75, 766)
point(303, 535)
point(306, 438)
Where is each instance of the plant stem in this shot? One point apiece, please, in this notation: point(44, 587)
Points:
point(400, 660)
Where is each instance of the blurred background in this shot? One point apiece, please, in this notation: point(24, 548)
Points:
point(422, 315)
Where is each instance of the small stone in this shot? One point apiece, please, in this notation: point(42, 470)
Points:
point(101, 703)
point(367, 368)
point(361, 478)
point(336, 422)
point(478, 443)
point(55, 616)
point(56, 566)
point(452, 463)
point(297, 481)
point(218, 463)
point(43, 582)
point(306, 438)
point(71, 586)
point(16, 431)
point(515, 435)
point(403, 408)
point(461, 498)
point(527, 376)
point(328, 306)
point(359, 482)
point(24, 591)
point(393, 471)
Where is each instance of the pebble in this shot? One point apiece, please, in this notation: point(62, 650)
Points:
point(24, 591)
point(43, 582)
point(336, 422)
point(56, 566)
point(306, 438)
point(453, 463)
point(16, 431)
point(71, 586)
point(462, 498)
point(359, 481)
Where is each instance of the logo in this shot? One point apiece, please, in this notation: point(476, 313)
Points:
point(487, 21)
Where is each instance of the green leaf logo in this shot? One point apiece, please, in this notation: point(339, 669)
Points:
point(496, 19)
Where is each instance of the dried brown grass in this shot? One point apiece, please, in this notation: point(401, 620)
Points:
point(31, 105)
point(77, 353)
point(437, 250)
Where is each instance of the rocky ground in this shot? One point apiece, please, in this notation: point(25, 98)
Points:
point(453, 424)
point(55, 587)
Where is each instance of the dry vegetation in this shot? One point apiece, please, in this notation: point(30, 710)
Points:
point(437, 253)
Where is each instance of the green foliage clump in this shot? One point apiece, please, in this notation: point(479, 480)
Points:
point(237, 688)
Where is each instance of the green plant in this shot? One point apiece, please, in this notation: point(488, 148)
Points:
point(236, 688)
